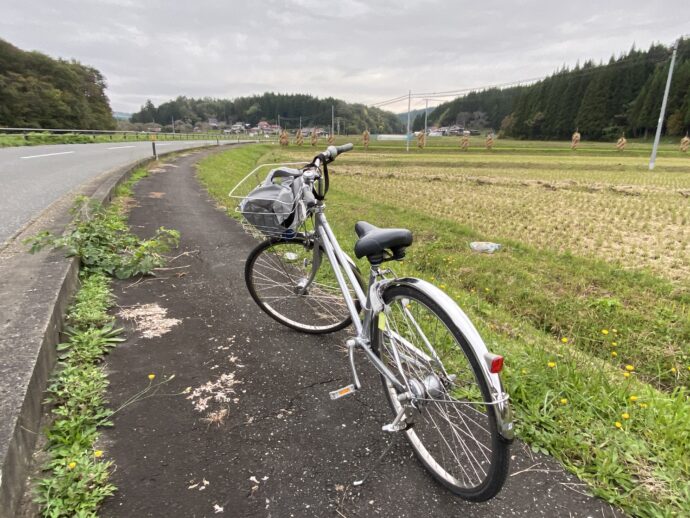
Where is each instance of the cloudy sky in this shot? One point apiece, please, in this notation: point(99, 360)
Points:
point(363, 51)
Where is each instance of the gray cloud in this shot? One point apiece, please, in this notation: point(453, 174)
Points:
point(363, 51)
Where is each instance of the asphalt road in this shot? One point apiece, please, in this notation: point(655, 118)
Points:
point(33, 177)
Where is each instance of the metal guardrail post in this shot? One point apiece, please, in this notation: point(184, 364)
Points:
point(155, 155)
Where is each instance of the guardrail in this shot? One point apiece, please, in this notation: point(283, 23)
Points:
point(48, 135)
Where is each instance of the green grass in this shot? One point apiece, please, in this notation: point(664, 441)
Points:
point(77, 477)
point(624, 432)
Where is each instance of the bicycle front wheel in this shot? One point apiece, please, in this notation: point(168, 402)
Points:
point(283, 280)
point(454, 431)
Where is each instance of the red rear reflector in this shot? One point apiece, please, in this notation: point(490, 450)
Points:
point(496, 364)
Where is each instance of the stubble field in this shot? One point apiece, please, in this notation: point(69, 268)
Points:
point(588, 299)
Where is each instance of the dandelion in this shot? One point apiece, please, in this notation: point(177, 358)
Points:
point(614, 354)
point(98, 453)
point(625, 415)
point(152, 376)
point(523, 371)
point(633, 398)
point(72, 465)
point(614, 344)
point(442, 286)
point(643, 405)
point(626, 374)
point(618, 424)
point(564, 339)
point(564, 401)
point(629, 368)
point(673, 370)
point(551, 365)
point(604, 331)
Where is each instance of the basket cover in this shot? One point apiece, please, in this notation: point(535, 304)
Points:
point(273, 207)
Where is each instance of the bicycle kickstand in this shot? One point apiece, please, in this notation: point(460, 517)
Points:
point(358, 483)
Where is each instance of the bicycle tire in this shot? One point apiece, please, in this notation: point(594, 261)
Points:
point(272, 273)
point(457, 441)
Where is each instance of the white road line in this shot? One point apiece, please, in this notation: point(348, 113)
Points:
point(48, 154)
point(121, 147)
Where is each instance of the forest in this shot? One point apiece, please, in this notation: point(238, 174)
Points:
point(37, 91)
point(605, 101)
point(290, 110)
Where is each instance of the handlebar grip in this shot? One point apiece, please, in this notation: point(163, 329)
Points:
point(344, 148)
point(334, 151)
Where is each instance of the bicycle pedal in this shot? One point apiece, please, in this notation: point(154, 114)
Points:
point(342, 392)
point(394, 427)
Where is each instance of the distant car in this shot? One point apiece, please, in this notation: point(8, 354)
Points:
point(475, 132)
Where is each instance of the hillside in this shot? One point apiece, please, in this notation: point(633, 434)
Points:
point(354, 118)
point(602, 101)
point(37, 91)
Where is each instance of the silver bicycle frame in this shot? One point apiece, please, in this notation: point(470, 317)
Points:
point(372, 304)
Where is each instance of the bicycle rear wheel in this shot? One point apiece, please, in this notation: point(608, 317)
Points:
point(454, 433)
point(279, 274)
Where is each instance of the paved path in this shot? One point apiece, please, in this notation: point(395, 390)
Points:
point(33, 177)
point(283, 449)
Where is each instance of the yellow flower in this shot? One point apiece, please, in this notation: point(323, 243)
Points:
point(564, 339)
point(618, 424)
point(626, 374)
point(523, 371)
point(564, 401)
point(625, 415)
point(633, 398)
point(152, 376)
point(673, 370)
point(442, 286)
point(72, 465)
point(486, 289)
point(98, 453)
point(629, 368)
point(643, 405)
point(604, 331)
point(614, 344)
point(614, 354)
point(551, 365)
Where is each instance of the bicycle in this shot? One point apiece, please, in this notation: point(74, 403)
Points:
point(440, 380)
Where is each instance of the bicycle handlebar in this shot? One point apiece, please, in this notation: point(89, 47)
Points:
point(334, 151)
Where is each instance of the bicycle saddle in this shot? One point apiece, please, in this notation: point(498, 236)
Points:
point(374, 241)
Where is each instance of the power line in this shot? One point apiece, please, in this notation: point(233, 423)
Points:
point(578, 72)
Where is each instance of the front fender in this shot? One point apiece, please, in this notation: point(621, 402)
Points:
point(500, 400)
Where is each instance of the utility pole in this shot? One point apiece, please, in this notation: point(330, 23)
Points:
point(300, 124)
point(332, 120)
point(663, 108)
point(172, 119)
point(409, 105)
point(426, 112)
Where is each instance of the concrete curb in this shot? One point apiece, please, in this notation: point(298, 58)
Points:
point(35, 291)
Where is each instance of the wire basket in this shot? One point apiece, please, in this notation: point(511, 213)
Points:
point(271, 201)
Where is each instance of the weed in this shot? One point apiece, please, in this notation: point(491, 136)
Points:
point(102, 240)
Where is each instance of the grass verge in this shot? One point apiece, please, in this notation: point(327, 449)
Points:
point(621, 424)
point(77, 474)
